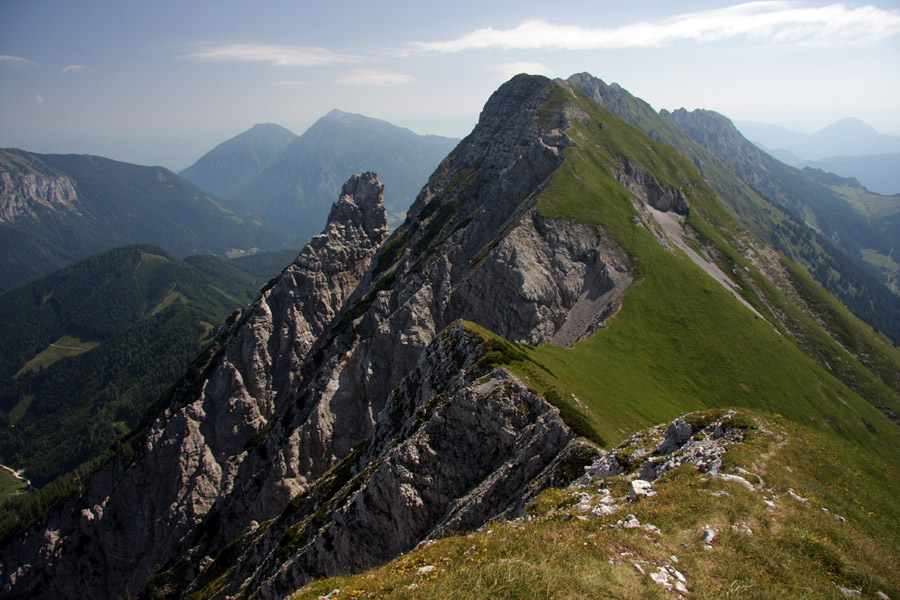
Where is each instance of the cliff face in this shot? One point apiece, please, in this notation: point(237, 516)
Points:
point(331, 426)
point(28, 188)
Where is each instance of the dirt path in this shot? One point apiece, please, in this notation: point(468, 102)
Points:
point(68, 347)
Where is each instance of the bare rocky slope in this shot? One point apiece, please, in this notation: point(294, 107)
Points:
point(358, 407)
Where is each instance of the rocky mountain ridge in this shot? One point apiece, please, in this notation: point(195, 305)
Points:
point(27, 187)
point(809, 222)
point(357, 408)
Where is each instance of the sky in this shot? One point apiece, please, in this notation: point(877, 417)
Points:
point(163, 82)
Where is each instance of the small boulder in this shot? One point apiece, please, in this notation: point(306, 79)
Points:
point(641, 488)
point(677, 433)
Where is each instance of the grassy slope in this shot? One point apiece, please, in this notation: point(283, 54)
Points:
point(9, 485)
point(681, 343)
point(794, 550)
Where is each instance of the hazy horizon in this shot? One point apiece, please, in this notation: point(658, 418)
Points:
point(163, 83)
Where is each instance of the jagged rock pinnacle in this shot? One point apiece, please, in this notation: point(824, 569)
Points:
point(362, 204)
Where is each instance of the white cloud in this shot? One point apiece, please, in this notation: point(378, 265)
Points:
point(73, 69)
point(38, 98)
point(768, 21)
point(368, 77)
point(278, 55)
point(514, 68)
point(17, 61)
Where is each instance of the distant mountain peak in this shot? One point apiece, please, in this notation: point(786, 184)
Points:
point(235, 162)
point(848, 126)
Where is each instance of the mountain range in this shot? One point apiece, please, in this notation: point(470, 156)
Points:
point(816, 225)
point(849, 148)
point(573, 370)
point(847, 137)
point(55, 209)
point(236, 162)
point(292, 180)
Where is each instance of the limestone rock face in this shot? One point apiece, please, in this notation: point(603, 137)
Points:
point(455, 445)
point(26, 189)
point(649, 190)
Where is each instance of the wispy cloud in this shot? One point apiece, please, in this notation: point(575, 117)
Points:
point(278, 55)
point(17, 61)
point(292, 83)
point(768, 21)
point(38, 98)
point(368, 77)
point(514, 68)
point(73, 69)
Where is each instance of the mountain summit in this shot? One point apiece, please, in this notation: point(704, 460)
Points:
point(560, 281)
point(236, 162)
point(291, 180)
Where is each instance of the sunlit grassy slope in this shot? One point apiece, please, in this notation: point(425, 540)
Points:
point(681, 341)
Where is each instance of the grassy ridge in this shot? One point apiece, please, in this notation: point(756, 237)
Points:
point(680, 341)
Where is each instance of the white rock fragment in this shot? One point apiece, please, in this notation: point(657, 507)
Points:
point(670, 578)
point(426, 569)
point(797, 497)
point(641, 488)
point(737, 479)
point(603, 509)
point(662, 578)
point(882, 596)
point(741, 528)
point(630, 522)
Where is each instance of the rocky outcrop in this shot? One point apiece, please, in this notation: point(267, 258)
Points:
point(457, 444)
point(649, 190)
point(548, 281)
point(701, 441)
point(28, 188)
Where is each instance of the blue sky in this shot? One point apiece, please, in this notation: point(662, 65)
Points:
point(161, 82)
